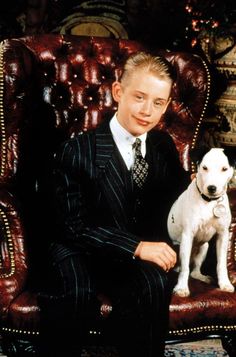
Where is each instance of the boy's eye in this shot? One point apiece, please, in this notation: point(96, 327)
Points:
point(139, 97)
point(160, 103)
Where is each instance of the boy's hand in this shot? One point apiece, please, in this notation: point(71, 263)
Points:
point(159, 253)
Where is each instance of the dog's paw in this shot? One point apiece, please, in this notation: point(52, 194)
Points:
point(181, 292)
point(227, 287)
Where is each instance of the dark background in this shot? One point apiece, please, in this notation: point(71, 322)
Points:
point(173, 24)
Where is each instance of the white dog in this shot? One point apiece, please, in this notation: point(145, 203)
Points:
point(197, 215)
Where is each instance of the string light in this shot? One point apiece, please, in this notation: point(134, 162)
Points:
point(200, 19)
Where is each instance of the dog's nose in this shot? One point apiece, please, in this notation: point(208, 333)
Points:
point(211, 189)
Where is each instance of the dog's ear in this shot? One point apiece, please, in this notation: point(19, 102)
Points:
point(196, 154)
point(230, 153)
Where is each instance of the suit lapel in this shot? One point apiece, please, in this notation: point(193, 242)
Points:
point(109, 175)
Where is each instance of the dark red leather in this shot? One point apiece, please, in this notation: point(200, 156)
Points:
point(208, 310)
point(13, 269)
point(24, 311)
point(55, 86)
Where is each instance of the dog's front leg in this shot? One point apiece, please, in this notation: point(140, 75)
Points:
point(181, 288)
point(222, 272)
point(198, 257)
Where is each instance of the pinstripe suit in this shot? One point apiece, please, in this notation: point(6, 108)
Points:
point(102, 218)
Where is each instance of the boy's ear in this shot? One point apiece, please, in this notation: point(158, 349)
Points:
point(116, 91)
point(196, 154)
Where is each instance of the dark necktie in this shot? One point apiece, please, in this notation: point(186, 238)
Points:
point(140, 167)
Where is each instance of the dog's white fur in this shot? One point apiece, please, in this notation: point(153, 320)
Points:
point(192, 222)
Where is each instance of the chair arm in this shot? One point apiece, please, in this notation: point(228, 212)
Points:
point(232, 243)
point(13, 261)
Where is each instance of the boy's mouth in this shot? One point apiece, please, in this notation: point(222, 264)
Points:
point(142, 122)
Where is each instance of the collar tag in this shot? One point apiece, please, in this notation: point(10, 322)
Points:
point(219, 210)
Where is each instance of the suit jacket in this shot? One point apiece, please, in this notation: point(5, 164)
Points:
point(92, 203)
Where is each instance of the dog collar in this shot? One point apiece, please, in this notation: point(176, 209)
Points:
point(206, 198)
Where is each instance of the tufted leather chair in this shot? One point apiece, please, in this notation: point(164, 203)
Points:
point(53, 87)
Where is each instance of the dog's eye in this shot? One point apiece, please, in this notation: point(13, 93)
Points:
point(204, 168)
point(224, 168)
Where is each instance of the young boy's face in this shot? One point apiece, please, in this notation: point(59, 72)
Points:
point(142, 99)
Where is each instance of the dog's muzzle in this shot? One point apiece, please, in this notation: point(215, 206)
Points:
point(211, 189)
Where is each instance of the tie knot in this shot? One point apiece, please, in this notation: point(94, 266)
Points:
point(137, 144)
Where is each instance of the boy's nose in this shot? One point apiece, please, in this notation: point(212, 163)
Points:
point(147, 108)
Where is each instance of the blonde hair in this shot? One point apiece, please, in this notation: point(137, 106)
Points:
point(156, 65)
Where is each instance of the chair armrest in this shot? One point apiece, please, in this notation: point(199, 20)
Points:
point(13, 261)
point(232, 243)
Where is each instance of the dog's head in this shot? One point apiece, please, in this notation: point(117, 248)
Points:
point(215, 168)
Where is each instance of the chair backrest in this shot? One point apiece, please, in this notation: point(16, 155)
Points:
point(63, 83)
point(51, 88)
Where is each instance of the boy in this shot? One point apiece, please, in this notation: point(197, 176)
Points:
point(113, 194)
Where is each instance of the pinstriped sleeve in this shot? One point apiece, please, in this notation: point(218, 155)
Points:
point(75, 182)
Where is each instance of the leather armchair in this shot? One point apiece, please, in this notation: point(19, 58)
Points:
point(53, 87)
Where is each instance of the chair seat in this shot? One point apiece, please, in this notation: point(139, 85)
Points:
point(206, 305)
point(23, 314)
point(207, 309)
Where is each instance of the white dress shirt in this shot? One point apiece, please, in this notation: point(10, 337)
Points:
point(124, 141)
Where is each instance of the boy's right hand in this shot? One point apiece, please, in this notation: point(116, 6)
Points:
point(159, 253)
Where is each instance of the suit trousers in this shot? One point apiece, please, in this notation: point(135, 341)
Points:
point(139, 292)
